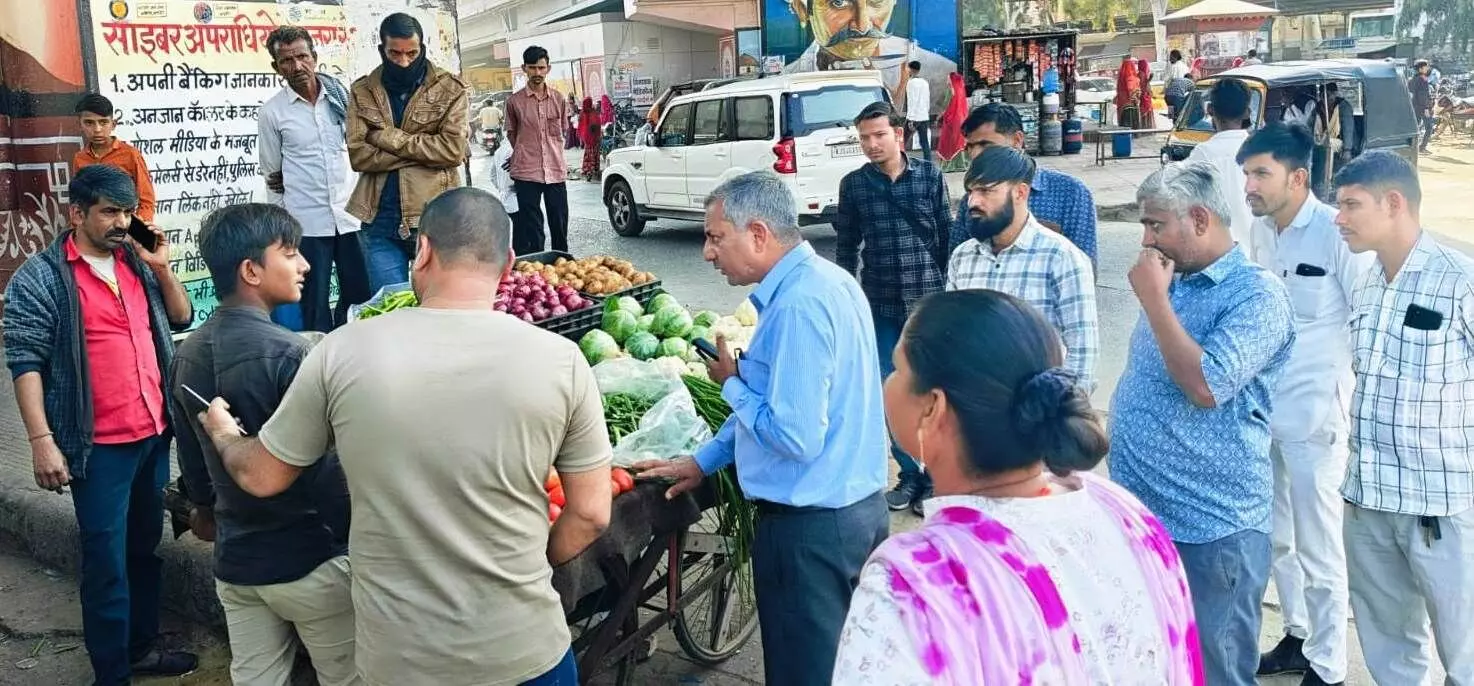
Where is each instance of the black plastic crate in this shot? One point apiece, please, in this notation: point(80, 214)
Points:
point(575, 324)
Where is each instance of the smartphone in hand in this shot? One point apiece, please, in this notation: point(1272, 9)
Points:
point(705, 349)
point(144, 235)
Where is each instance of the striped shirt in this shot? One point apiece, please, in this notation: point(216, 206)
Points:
point(807, 425)
point(1412, 415)
point(1047, 271)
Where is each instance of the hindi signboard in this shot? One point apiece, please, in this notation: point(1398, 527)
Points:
point(188, 79)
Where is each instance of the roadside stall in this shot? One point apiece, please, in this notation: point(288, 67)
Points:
point(1033, 71)
point(1217, 31)
point(682, 563)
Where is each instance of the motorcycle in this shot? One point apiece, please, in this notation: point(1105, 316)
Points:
point(491, 139)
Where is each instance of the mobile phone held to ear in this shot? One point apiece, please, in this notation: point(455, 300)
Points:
point(144, 235)
point(705, 349)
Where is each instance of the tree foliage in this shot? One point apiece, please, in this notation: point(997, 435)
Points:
point(1101, 14)
point(1445, 22)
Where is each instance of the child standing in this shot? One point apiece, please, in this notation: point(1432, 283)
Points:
point(100, 146)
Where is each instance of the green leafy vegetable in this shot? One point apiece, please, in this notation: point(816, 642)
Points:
point(662, 301)
point(629, 305)
point(699, 331)
point(705, 318)
point(620, 324)
point(674, 347)
point(598, 346)
point(642, 345)
point(644, 322)
point(672, 322)
point(391, 302)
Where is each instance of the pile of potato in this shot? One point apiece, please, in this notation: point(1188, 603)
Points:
point(598, 275)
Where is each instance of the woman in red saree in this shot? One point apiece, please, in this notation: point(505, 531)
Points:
point(588, 132)
point(951, 141)
point(1145, 102)
point(1128, 94)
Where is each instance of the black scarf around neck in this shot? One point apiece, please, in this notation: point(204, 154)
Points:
point(403, 80)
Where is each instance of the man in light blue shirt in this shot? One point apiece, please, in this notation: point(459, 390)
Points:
point(807, 432)
point(1190, 417)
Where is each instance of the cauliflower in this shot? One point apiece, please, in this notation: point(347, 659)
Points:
point(671, 367)
point(746, 313)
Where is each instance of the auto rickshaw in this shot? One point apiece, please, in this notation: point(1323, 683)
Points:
point(1377, 91)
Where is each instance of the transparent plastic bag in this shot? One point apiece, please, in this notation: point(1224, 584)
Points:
point(670, 428)
point(355, 310)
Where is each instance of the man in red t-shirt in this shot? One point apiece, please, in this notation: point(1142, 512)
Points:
point(86, 326)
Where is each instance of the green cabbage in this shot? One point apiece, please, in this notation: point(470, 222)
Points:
point(598, 346)
point(662, 301)
point(699, 331)
point(674, 347)
point(620, 324)
point(642, 345)
point(629, 304)
point(671, 322)
point(705, 318)
point(644, 322)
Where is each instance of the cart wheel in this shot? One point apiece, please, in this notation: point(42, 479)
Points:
point(715, 625)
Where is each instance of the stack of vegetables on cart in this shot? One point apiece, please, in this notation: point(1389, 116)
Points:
point(659, 402)
point(664, 331)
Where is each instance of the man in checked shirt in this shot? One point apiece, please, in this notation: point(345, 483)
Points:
point(1010, 251)
point(1409, 525)
point(894, 213)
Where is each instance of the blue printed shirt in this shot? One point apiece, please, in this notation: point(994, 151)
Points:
point(1059, 201)
point(807, 425)
point(1205, 472)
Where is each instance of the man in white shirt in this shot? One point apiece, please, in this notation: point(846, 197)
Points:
point(1409, 528)
point(918, 108)
point(1228, 104)
point(1296, 238)
point(303, 153)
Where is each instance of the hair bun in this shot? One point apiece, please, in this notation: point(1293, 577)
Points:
point(1043, 399)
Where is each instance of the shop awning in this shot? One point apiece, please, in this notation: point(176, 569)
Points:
point(1221, 9)
point(583, 9)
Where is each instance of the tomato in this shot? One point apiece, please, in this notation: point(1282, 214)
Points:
point(623, 480)
point(556, 496)
point(552, 481)
point(554, 511)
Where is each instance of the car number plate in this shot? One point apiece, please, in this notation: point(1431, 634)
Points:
point(846, 150)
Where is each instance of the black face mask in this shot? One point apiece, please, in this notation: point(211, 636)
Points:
point(401, 80)
point(984, 228)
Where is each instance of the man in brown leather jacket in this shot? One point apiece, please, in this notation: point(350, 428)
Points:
point(407, 138)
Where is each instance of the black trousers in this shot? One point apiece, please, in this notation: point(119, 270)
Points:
point(322, 254)
point(805, 566)
point(922, 129)
point(527, 223)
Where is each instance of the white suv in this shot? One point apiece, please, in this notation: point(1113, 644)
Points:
point(798, 125)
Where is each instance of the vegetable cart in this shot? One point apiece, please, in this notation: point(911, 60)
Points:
point(660, 563)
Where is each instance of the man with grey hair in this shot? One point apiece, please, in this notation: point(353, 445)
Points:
point(1190, 417)
point(807, 431)
point(450, 533)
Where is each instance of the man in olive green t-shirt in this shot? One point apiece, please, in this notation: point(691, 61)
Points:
point(447, 418)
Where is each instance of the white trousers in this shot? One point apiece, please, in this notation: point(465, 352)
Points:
point(1309, 561)
point(261, 619)
point(1400, 579)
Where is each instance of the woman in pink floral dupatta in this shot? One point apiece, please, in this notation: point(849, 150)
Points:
point(1029, 569)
